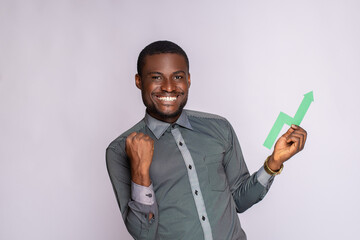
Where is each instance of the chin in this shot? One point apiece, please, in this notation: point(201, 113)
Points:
point(164, 115)
point(167, 115)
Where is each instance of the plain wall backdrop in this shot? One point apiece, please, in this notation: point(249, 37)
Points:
point(67, 90)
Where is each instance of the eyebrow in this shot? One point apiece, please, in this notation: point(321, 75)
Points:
point(154, 73)
point(177, 72)
point(180, 71)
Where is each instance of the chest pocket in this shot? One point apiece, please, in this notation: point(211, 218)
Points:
point(216, 172)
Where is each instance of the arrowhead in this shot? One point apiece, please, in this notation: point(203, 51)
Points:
point(309, 96)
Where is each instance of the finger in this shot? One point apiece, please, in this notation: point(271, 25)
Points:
point(297, 127)
point(133, 134)
point(131, 137)
point(139, 136)
point(294, 148)
point(145, 137)
point(301, 139)
point(303, 133)
point(295, 142)
point(292, 138)
point(289, 131)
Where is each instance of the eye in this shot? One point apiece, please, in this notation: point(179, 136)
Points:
point(178, 77)
point(156, 77)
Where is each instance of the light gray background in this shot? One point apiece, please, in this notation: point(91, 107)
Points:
point(67, 89)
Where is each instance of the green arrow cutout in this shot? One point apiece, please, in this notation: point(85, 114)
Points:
point(283, 118)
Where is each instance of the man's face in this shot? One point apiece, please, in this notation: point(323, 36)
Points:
point(164, 85)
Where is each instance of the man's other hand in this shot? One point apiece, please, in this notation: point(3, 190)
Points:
point(140, 150)
point(287, 145)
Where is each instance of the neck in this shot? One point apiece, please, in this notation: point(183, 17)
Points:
point(164, 118)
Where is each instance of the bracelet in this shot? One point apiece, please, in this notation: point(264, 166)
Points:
point(269, 171)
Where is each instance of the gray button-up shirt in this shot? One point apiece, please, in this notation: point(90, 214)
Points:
point(199, 180)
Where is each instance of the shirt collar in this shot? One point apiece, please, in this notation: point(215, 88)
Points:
point(158, 127)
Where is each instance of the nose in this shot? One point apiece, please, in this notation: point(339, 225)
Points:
point(168, 85)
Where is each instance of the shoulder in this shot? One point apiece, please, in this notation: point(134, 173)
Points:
point(203, 115)
point(210, 124)
point(118, 144)
point(207, 119)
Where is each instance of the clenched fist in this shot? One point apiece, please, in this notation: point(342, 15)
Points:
point(140, 150)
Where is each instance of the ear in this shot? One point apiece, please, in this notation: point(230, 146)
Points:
point(189, 80)
point(138, 81)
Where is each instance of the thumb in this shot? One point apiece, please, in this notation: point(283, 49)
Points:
point(289, 131)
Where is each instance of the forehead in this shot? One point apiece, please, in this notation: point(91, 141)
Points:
point(165, 62)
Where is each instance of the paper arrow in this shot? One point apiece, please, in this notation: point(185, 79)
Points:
point(283, 118)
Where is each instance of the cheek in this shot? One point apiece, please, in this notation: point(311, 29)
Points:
point(148, 89)
point(184, 87)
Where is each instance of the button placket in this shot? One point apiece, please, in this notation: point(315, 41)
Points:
point(194, 183)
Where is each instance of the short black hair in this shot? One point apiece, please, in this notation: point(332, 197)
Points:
point(157, 48)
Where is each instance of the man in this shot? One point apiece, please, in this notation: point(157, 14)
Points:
point(180, 174)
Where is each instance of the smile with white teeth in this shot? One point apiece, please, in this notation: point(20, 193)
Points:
point(168, 99)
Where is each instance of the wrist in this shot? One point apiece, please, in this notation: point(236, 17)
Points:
point(141, 179)
point(273, 164)
point(272, 169)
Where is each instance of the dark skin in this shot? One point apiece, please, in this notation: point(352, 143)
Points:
point(164, 85)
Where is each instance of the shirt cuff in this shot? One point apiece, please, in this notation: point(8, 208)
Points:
point(263, 177)
point(142, 194)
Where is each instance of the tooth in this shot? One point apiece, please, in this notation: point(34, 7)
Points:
point(167, 98)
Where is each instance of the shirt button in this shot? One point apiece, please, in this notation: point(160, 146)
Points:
point(203, 218)
point(196, 192)
point(180, 143)
point(190, 167)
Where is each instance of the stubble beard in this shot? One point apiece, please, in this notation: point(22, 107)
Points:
point(152, 109)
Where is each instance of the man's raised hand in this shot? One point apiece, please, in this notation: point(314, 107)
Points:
point(287, 145)
point(140, 150)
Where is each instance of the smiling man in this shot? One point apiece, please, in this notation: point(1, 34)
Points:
point(164, 82)
point(180, 174)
